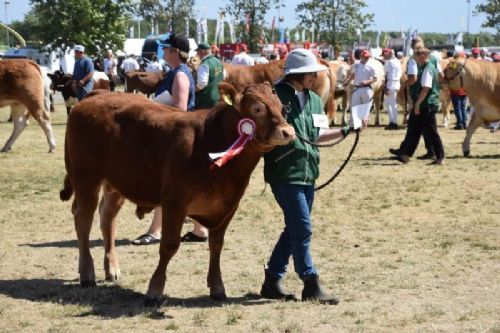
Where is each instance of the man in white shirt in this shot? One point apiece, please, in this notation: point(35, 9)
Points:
point(110, 64)
point(154, 65)
point(364, 75)
point(243, 58)
point(130, 64)
point(393, 73)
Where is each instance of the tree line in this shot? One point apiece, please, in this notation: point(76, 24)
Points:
point(103, 24)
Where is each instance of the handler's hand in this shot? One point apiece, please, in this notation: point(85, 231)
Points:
point(364, 125)
point(417, 109)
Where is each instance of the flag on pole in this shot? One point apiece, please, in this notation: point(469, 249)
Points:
point(248, 22)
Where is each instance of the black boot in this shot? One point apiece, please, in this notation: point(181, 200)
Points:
point(273, 288)
point(313, 291)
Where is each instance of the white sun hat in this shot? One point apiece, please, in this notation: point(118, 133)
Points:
point(79, 48)
point(302, 61)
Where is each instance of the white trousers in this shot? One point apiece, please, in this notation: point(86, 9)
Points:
point(391, 104)
point(362, 95)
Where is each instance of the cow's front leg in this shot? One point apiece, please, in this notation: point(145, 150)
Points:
point(109, 207)
point(172, 220)
point(474, 123)
point(215, 243)
point(17, 113)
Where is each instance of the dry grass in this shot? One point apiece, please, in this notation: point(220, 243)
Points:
point(408, 248)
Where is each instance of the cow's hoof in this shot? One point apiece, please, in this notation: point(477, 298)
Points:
point(114, 278)
point(88, 284)
point(467, 153)
point(153, 301)
point(218, 296)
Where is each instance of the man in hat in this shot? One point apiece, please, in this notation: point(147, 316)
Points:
point(209, 74)
point(393, 71)
point(364, 75)
point(82, 73)
point(242, 58)
point(292, 171)
point(476, 53)
point(425, 96)
point(177, 89)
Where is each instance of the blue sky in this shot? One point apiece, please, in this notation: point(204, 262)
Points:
point(445, 16)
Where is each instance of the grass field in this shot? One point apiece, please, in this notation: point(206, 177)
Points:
point(407, 248)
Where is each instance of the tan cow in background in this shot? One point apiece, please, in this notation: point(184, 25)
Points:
point(22, 86)
point(481, 80)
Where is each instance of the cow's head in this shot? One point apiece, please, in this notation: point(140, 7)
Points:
point(59, 80)
point(454, 68)
point(260, 103)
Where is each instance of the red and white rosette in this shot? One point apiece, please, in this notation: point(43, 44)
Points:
point(246, 129)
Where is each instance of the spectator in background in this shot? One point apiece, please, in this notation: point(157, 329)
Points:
point(110, 65)
point(210, 73)
point(282, 52)
point(393, 71)
point(400, 55)
point(459, 99)
point(484, 54)
point(496, 57)
point(242, 58)
point(154, 65)
point(475, 53)
point(83, 73)
point(130, 64)
point(177, 89)
point(363, 75)
point(215, 51)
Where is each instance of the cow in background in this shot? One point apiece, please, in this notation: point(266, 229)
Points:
point(481, 80)
point(157, 155)
point(65, 84)
point(22, 87)
point(144, 82)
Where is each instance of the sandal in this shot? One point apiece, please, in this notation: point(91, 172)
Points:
point(190, 237)
point(145, 239)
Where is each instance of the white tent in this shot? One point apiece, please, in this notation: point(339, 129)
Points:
point(131, 46)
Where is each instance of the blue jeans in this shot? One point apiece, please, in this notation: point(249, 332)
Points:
point(82, 91)
point(459, 106)
point(296, 202)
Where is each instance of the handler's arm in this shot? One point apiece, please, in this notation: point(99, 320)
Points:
point(335, 133)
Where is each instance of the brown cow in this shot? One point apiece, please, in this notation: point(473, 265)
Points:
point(145, 82)
point(156, 155)
point(22, 85)
point(481, 80)
point(243, 76)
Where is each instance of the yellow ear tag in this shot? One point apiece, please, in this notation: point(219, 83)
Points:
point(227, 100)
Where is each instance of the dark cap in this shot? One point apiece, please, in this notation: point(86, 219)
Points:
point(178, 42)
point(203, 46)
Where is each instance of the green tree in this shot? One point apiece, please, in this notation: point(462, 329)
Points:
point(338, 18)
point(492, 10)
point(254, 10)
point(96, 24)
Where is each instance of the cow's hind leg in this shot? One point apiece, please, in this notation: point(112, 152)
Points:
point(42, 117)
point(84, 206)
point(109, 207)
point(20, 122)
point(172, 220)
point(474, 123)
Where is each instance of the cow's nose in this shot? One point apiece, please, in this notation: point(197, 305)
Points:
point(288, 133)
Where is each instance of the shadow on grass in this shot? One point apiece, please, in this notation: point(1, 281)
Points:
point(474, 157)
point(74, 243)
point(391, 161)
point(109, 301)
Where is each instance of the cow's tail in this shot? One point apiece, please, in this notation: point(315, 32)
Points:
point(67, 191)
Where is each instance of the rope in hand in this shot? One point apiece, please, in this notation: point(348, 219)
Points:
point(345, 131)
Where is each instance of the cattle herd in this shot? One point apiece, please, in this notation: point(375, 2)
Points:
point(155, 155)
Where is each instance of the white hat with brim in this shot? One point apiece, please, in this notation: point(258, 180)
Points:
point(302, 61)
point(79, 48)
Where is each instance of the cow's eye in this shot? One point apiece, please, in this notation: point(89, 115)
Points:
point(257, 109)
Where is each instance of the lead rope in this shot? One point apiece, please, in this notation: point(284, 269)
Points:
point(327, 145)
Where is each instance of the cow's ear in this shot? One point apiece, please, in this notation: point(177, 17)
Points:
point(229, 94)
